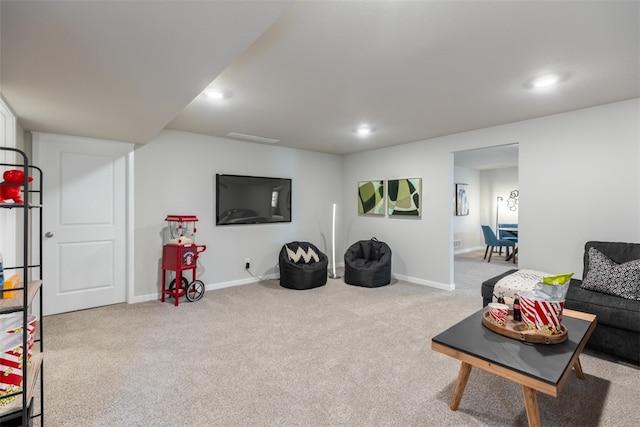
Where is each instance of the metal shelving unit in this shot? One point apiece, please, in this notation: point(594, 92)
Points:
point(20, 410)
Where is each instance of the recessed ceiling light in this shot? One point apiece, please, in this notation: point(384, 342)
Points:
point(546, 81)
point(364, 130)
point(216, 93)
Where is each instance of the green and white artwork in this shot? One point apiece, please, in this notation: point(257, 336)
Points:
point(404, 197)
point(371, 197)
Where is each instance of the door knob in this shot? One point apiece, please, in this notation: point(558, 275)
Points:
point(48, 234)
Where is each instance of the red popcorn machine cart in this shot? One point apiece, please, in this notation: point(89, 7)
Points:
point(181, 254)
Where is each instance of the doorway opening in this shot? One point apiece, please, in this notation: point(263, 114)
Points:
point(489, 178)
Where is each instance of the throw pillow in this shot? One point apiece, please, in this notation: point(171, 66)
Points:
point(308, 256)
point(606, 276)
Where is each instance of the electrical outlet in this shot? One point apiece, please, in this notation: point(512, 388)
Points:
point(247, 263)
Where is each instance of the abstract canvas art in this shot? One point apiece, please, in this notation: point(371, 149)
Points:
point(404, 197)
point(462, 199)
point(371, 197)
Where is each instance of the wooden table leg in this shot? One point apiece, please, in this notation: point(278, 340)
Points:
point(577, 368)
point(463, 377)
point(531, 403)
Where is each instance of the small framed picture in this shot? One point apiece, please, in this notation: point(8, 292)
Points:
point(462, 199)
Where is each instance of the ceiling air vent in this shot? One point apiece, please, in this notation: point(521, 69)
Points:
point(252, 138)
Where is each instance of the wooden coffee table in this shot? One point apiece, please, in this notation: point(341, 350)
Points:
point(537, 367)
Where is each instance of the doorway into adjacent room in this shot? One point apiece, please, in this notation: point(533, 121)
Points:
point(486, 192)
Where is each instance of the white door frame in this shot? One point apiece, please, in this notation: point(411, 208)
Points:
point(130, 230)
point(129, 240)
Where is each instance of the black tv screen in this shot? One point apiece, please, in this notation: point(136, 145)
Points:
point(242, 199)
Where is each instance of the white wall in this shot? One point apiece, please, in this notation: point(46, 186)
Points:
point(498, 183)
point(422, 248)
point(175, 174)
point(484, 188)
point(466, 227)
point(579, 180)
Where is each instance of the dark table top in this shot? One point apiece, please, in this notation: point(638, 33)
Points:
point(544, 362)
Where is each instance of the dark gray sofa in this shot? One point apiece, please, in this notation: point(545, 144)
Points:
point(618, 319)
point(618, 329)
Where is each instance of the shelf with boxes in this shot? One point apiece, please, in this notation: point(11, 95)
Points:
point(21, 289)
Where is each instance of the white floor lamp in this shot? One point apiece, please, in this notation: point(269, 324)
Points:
point(334, 274)
point(498, 200)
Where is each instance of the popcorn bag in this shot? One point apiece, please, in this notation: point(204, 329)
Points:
point(542, 308)
point(12, 324)
point(12, 353)
point(498, 313)
point(11, 358)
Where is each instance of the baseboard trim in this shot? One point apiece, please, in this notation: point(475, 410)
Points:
point(240, 282)
point(423, 282)
point(464, 251)
point(209, 287)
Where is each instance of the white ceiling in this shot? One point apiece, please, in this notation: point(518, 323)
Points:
point(118, 70)
point(308, 72)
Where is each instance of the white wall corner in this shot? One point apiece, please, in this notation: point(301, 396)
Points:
point(423, 282)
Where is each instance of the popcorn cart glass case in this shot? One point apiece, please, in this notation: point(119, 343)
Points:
point(181, 254)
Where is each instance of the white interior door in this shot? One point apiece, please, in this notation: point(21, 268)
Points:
point(84, 221)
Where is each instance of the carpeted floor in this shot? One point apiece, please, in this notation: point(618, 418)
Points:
point(262, 355)
point(471, 269)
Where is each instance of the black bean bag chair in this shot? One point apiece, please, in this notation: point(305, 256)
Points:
point(302, 266)
point(368, 263)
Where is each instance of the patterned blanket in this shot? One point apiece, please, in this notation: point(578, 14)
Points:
point(521, 280)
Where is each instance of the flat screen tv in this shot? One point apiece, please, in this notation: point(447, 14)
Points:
point(242, 199)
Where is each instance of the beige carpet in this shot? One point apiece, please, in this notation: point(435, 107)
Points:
point(471, 269)
point(262, 355)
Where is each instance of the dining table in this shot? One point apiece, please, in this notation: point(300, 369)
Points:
point(514, 231)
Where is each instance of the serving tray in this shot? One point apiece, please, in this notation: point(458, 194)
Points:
point(518, 330)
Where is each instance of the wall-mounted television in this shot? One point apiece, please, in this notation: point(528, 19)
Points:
point(242, 199)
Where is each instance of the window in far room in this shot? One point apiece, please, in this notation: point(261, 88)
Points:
point(275, 201)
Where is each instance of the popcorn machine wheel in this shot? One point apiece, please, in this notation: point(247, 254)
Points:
point(181, 254)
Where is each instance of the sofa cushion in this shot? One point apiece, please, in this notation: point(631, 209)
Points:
point(606, 276)
point(611, 310)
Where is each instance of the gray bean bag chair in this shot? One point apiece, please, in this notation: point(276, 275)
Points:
point(368, 263)
point(302, 266)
